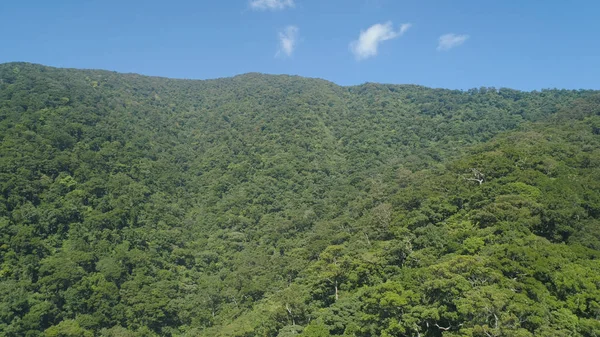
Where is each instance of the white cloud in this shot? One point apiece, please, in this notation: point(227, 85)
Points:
point(404, 27)
point(449, 41)
point(368, 42)
point(271, 4)
point(288, 38)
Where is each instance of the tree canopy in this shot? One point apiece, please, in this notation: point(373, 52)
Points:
point(277, 206)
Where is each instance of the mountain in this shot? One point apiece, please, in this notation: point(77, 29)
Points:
point(279, 206)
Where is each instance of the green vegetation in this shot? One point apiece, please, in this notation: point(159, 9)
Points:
point(281, 206)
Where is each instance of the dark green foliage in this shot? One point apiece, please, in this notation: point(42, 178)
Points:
point(282, 206)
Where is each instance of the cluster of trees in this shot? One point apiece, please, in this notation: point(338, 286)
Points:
point(284, 206)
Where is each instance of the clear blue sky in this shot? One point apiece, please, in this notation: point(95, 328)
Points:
point(528, 45)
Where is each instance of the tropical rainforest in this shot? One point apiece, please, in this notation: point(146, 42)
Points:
point(278, 206)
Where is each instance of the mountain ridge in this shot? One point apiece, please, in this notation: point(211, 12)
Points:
point(252, 73)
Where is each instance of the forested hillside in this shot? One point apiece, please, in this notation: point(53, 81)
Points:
point(280, 206)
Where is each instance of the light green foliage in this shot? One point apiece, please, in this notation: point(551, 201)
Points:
point(68, 328)
point(315, 329)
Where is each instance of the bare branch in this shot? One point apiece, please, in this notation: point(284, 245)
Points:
point(418, 330)
point(480, 181)
point(442, 328)
point(478, 176)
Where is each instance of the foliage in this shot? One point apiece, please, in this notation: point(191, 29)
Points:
point(283, 206)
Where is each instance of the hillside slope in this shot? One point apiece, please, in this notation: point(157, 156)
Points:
point(276, 205)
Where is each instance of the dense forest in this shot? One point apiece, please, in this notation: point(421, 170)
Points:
point(280, 206)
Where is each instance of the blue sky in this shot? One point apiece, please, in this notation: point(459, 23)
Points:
point(528, 44)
